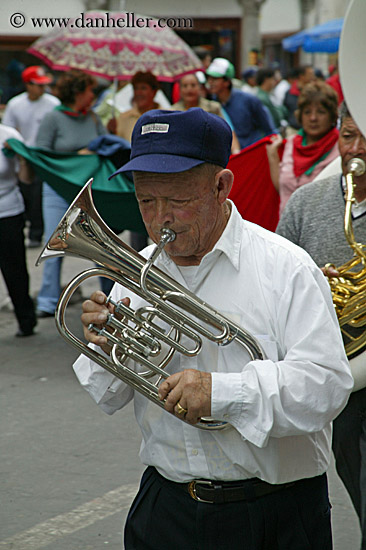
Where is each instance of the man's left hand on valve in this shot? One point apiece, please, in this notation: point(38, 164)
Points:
point(189, 390)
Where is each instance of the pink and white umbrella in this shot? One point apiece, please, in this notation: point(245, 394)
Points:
point(112, 45)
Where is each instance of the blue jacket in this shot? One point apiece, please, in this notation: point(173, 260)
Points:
point(248, 116)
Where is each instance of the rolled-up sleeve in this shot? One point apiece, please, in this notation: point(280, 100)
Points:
point(307, 388)
point(108, 391)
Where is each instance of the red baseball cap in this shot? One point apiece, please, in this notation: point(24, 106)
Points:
point(36, 75)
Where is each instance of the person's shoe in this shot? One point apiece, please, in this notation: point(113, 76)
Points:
point(22, 333)
point(27, 330)
point(43, 314)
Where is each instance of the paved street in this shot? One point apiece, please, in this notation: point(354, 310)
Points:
point(68, 471)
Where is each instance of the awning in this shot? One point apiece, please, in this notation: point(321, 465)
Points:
point(322, 38)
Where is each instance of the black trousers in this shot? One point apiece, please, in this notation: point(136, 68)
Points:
point(349, 447)
point(32, 196)
point(14, 269)
point(164, 517)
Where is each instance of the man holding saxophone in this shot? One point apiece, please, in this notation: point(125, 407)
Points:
point(260, 482)
point(314, 220)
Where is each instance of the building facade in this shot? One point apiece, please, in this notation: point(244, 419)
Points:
point(244, 31)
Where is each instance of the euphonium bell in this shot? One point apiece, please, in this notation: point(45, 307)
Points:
point(138, 335)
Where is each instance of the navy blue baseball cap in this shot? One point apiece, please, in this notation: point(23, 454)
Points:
point(174, 141)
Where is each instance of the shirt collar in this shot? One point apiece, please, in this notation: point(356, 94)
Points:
point(230, 241)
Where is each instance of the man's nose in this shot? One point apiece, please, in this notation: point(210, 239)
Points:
point(164, 214)
point(358, 145)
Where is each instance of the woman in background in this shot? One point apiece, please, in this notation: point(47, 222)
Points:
point(145, 85)
point(68, 128)
point(309, 151)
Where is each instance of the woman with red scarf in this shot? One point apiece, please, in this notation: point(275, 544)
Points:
point(309, 151)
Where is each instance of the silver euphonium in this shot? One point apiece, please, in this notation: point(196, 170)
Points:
point(134, 334)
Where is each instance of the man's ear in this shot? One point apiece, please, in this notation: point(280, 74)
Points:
point(224, 180)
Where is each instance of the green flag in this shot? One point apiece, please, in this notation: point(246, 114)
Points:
point(67, 173)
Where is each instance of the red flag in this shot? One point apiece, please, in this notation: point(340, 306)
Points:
point(253, 192)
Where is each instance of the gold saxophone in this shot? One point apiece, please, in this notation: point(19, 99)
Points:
point(349, 288)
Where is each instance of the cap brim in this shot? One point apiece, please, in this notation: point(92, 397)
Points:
point(159, 163)
point(44, 80)
point(214, 74)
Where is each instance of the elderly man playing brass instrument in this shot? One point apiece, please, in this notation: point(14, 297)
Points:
point(314, 220)
point(260, 482)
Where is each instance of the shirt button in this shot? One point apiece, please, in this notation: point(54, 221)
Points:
point(194, 452)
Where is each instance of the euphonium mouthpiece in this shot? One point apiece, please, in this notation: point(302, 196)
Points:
point(356, 166)
point(167, 235)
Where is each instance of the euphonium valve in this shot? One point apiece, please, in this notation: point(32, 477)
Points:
point(150, 335)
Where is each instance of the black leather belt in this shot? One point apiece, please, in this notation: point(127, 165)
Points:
point(218, 492)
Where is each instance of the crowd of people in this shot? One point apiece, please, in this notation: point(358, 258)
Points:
point(215, 489)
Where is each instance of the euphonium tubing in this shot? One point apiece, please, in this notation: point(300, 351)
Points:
point(134, 334)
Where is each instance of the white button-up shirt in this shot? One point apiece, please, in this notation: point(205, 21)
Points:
point(280, 409)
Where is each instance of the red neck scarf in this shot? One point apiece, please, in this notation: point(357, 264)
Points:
point(306, 156)
point(70, 112)
point(294, 90)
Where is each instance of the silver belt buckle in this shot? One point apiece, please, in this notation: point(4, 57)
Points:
point(193, 493)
